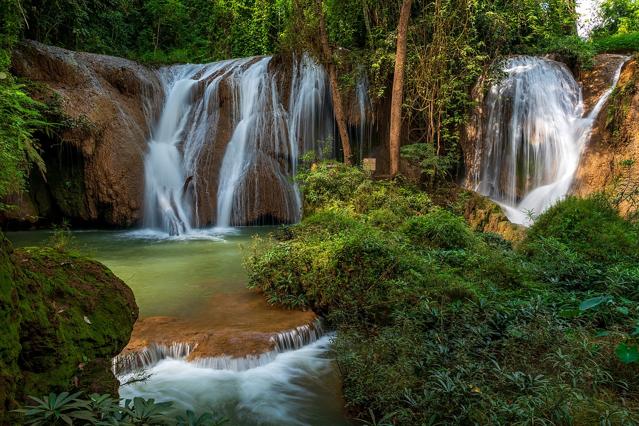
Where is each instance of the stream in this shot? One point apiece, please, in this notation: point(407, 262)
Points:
point(194, 284)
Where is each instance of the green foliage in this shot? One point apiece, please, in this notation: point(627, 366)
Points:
point(618, 43)
point(439, 229)
point(590, 227)
point(330, 181)
point(436, 167)
point(20, 117)
point(439, 325)
point(67, 409)
point(56, 409)
point(160, 31)
point(617, 17)
point(573, 49)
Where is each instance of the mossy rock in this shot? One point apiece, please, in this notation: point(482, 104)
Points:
point(484, 215)
point(64, 318)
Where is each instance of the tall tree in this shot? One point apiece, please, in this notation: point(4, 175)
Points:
point(338, 106)
point(398, 88)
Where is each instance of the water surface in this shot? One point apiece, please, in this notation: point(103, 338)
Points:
point(198, 282)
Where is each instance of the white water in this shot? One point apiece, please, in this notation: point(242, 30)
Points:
point(284, 391)
point(263, 150)
point(165, 204)
point(285, 341)
point(364, 106)
point(533, 136)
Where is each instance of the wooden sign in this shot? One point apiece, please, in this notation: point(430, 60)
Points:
point(369, 164)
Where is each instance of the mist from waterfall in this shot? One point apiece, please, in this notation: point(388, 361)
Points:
point(191, 183)
point(534, 131)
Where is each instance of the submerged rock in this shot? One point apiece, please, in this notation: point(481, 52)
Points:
point(46, 343)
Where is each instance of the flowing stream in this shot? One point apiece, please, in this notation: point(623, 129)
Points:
point(198, 281)
point(532, 136)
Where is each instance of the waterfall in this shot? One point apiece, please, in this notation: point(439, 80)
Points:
point(260, 130)
point(533, 133)
point(310, 123)
point(165, 203)
point(364, 106)
point(225, 148)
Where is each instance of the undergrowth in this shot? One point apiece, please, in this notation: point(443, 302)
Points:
point(437, 324)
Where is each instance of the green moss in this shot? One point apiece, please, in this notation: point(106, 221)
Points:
point(66, 317)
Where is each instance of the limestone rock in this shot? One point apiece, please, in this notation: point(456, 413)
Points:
point(98, 174)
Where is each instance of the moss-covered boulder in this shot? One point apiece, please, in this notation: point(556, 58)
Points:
point(63, 318)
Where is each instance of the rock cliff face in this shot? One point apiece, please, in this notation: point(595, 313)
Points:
point(96, 175)
point(610, 161)
point(64, 318)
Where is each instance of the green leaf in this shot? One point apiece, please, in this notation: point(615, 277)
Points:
point(622, 310)
point(593, 302)
point(627, 354)
point(569, 313)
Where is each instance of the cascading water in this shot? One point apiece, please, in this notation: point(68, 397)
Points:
point(225, 148)
point(364, 106)
point(533, 134)
point(259, 141)
point(165, 204)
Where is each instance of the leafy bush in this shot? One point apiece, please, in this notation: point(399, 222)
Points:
point(618, 43)
point(590, 227)
point(439, 229)
point(575, 50)
point(20, 117)
point(68, 409)
point(439, 325)
point(436, 167)
point(329, 182)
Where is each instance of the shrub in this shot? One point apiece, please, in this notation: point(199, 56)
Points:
point(329, 182)
point(439, 325)
point(440, 229)
point(573, 49)
point(67, 409)
point(591, 228)
point(618, 43)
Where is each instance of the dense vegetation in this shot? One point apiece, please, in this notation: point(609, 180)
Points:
point(437, 324)
point(450, 44)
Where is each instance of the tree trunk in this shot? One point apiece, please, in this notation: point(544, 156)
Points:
point(398, 88)
point(338, 107)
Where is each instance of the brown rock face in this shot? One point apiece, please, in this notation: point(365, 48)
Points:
point(484, 215)
point(611, 158)
point(110, 103)
point(597, 80)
